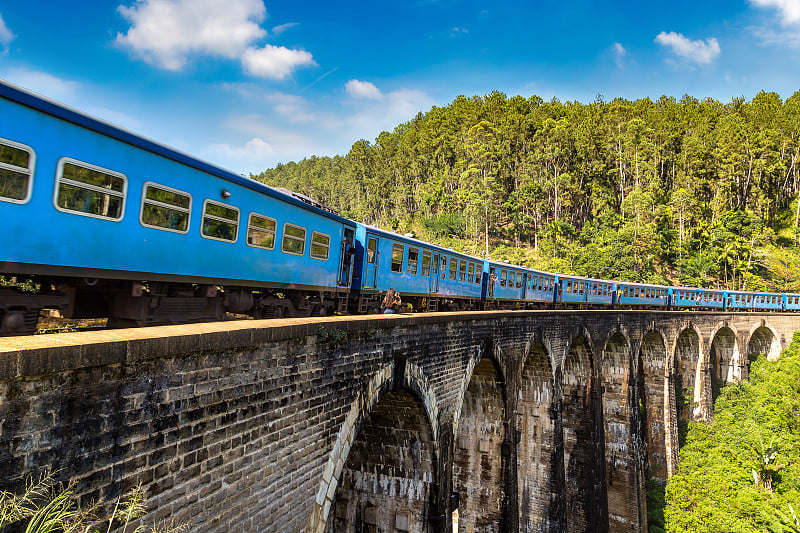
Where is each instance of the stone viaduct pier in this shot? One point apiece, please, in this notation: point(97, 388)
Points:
point(503, 421)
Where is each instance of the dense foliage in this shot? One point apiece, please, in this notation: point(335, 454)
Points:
point(689, 191)
point(741, 473)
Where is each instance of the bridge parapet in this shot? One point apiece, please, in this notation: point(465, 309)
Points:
point(252, 425)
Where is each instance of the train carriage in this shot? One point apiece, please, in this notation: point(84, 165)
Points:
point(577, 290)
point(507, 285)
point(698, 298)
point(642, 294)
point(770, 301)
point(428, 277)
point(541, 287)
point(136, 230)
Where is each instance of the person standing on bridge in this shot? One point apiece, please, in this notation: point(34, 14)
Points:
point(391, 303)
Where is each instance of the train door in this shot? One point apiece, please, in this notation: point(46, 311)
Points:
point(371, 268)
point(348, 251)
point(524, 285)
point(434, 285)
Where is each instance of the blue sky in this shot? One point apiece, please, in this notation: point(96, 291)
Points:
point(247, 84)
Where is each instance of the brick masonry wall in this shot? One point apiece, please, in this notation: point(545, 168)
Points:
point(250, 426)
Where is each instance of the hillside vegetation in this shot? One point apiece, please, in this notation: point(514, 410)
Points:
point(693, 191)
point(741, 473)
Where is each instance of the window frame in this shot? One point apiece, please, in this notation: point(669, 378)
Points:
point(430, 262)
point(283, 237)
point(12, 168)
point(402, 258)
point(471, 272)
point(462, 270)
point(416, 261)
point(263, 230)
point(311, 245)
point(188, 210)
point(214, 217)
point(74, 162)
point(478, 272)
point(453, 270)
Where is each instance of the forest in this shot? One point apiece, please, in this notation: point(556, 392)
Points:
point(692, 192)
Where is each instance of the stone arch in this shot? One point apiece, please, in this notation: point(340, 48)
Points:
point(623, 475)
point(396, 382)
point(583, 450)
point(724, 364)
point(653, 393)
point(540, 466)
point(478, 459)
point(686, 376)
point(763, 338)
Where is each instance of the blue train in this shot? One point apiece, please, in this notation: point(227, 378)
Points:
point(111, 224)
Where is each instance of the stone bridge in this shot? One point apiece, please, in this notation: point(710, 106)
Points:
point(501, 421)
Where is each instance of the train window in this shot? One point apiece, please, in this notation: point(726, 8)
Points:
point(569, 286)
point(453, 268)
point(462, 270)
point(294, 239)
point(478, 272)
point(426, 263)
point(16, 171)
point(443, 270)
point(471, 273)
point(89, 190)
point(413, 260)
point(372, 246)
point(503, 277)
point(320, 245)
point(165, 208)
point(519, 280)
point(220, 221)
point(398, 251)
point(261, 231)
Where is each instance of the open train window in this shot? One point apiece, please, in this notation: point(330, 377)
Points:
point(503, 277)
point(443, 270)
point(294, 239)
point(462, 270)
point(16, 171)
point(413, 260)
point(478, 273)
point(220, 221)
point(519, 280)
point(426, 263)
point(398, 250)
point(320, 245)
point(90, 191)
point(453, 268)
point(471, 273)
point(261, 231)
point(165, 208)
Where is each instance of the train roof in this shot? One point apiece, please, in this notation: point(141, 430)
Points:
point(411, 240)
point(51, 107)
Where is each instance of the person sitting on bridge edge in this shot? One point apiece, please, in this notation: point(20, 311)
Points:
point(391, 303)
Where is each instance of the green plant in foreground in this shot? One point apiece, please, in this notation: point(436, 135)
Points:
point(46, 507)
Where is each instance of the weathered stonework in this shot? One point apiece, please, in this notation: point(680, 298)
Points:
point(537, 421)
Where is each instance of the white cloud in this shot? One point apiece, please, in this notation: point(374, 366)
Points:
point(457, 30)
point(769, 37)
point(167, 32)
point(789, 9)
point(362, 89)
point(5, 36)
point(620, 54)
point(275, 62)
point(44, 84)
point(698, 52)
point(277, 30)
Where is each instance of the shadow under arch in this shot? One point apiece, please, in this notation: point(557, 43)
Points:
point(653, 385)
point(724, 363)
point(479, 476)
point(686, 371)
point(395, 376)
point(758, 342)
point(581, 422)
point(540, 453)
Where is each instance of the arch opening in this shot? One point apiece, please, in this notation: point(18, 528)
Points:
point(724, 362)
point(687, 354)
point(478, 465)
point(583, 450)
point(623, 472)
point(386, 482)
point(762, 341)
point(539, 457)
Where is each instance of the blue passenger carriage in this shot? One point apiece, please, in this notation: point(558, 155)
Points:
point(792, 302)
point(134, 230)
point(541, 287)
point(642, 294)
point(578, 290)
point(428, 277)
point(769, 301)
point(508, 286)
point(698, 298)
